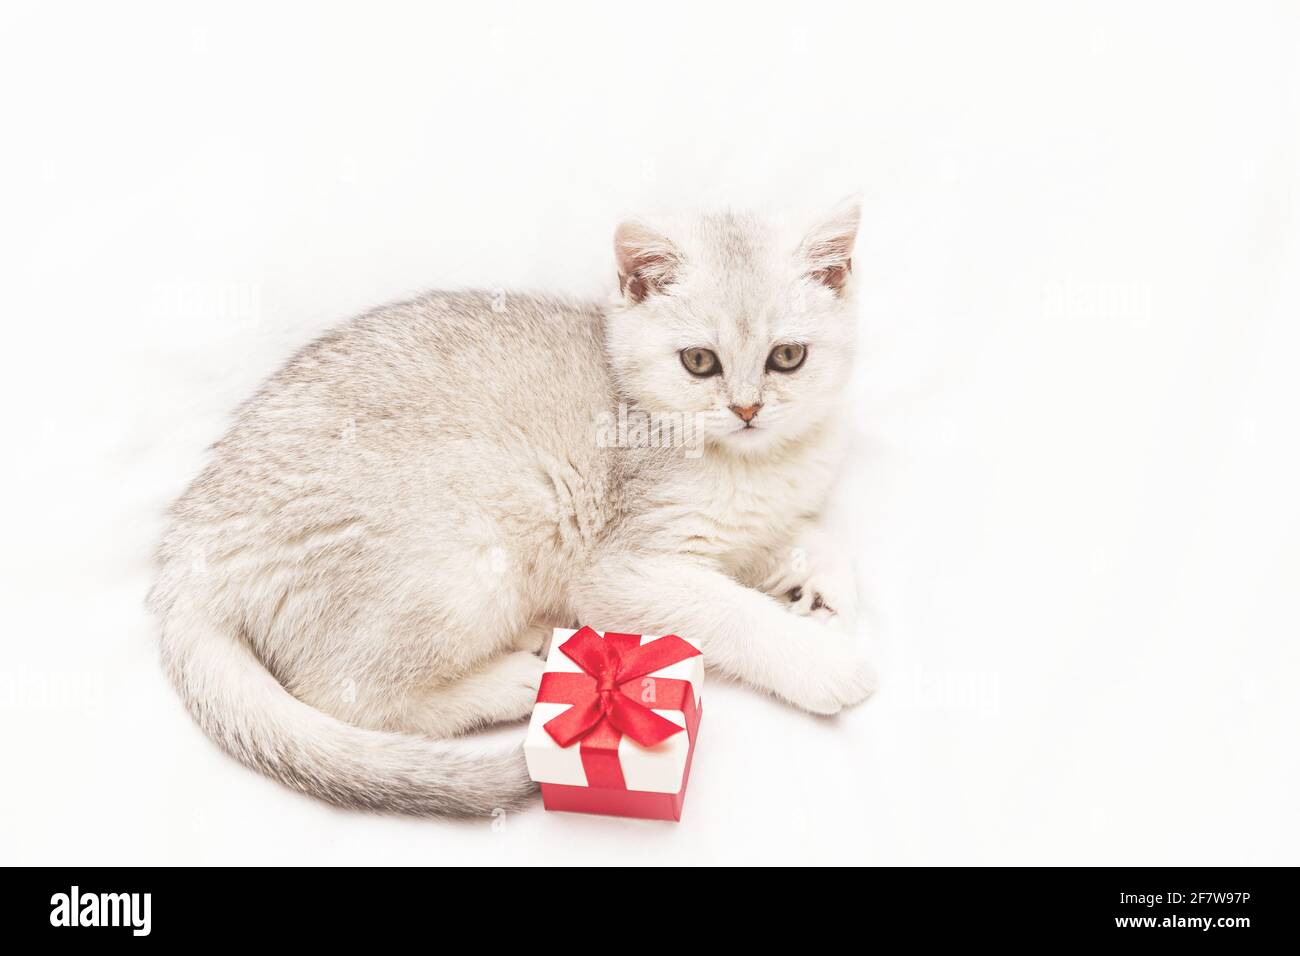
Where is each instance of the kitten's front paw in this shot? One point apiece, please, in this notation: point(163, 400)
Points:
point(835, 676)
point(825, 594)
point(807, 600)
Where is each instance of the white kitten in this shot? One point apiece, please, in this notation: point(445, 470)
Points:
point(398, 517)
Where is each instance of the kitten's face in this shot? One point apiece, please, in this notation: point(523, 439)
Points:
point(746, 331)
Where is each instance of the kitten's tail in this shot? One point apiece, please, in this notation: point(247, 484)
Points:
point(250, 714)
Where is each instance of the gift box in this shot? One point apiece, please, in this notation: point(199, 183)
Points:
point(614, 727)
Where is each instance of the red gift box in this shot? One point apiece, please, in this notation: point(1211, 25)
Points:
point(614, 727)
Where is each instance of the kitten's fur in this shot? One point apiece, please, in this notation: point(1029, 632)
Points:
point(396, 519)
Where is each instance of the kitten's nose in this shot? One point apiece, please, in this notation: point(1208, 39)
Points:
point(746, 412)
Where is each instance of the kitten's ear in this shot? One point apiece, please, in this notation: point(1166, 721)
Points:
point(827, 251)
point(647, 262)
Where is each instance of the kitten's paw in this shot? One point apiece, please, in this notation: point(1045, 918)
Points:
point(535, 639)
point(524, 667)
point(515, 680)
point(815, 578)
point(827, 595)
point(831, 681)
point(807, 600)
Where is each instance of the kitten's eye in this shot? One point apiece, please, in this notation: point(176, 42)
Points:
point(786, 358)
point(701, 362)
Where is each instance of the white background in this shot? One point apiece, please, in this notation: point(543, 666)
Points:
point(1075, 499)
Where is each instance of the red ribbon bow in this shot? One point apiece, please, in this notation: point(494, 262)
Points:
point(607, 700)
